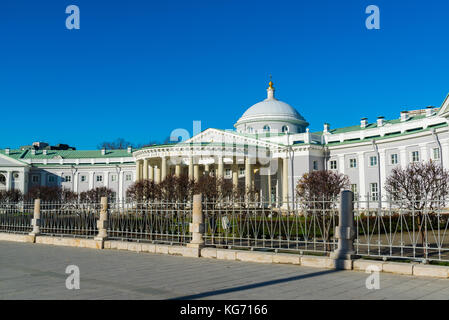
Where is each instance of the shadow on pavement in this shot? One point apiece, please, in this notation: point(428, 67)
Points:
point(255, 285)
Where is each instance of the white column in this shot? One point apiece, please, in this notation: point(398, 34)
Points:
point(121, 194)
point(8, 180)
point(91, 180)
point(423, 152)
point(279, 182)
point(264, 186)
point(285, 181)
point(403, 157)
point(106, 179)
point(341, 163)
point(137, 178)
point(220, 169)
point(235, 174)
point(178, 170)
point(362, 177)
point(248, 174)
point(75, 182)
point(150, 172)
point(191, 177)
point(145, 169)
point(157, 174)
point(163, 168)
point(383, 170)
point(445, 154)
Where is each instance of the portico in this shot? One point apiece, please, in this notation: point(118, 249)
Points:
point(241, 165)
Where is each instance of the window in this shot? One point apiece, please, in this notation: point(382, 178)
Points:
point(315, 165)
point(436, 154)
point(128, 177)
point(35, 179)
point(266, 128)
point(285, 129)
point(394, 159)
point(241, 171)
point(2, 179)
point(250, 129)
point(83, 178)
point(352, 163)
point(415, 156)
point(374, 191)
point(373, 161)
point(99, 178)
point(113, 178)
point(67, 178)
point(15, 176)
point(333, 164)
point(228, 172)
point(354, 190)
point(51, 178)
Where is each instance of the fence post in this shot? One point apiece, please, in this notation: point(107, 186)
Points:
point(197, 225)
point(36, 221)
point(345, 231)
point(102, 223)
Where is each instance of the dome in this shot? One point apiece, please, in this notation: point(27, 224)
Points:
point(271, 108)
point(271, 113)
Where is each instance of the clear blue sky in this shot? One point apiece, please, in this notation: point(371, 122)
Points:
point(139, 69)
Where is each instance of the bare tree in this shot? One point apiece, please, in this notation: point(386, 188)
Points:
point(118, 144)
point(95, 195)
point(420, 187)
point(317, 192)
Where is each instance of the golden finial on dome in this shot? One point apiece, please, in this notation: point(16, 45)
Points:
point(270, 84)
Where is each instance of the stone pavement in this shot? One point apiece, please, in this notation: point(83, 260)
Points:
point(36, 271)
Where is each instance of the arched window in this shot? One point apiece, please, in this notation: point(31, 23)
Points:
point(285, 129)
point(266, 128)
point(2, 179)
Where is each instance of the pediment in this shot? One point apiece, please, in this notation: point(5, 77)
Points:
point(227, 137)
point(444, 110)
point(6, 161)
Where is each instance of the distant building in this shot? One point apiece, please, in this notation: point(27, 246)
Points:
point(270, 150)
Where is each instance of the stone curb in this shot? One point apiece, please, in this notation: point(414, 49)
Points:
point(415, 269)
point(17, 237)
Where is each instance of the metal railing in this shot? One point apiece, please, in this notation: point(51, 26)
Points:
point(301, 227)
point(158, 222)
point(383, 229)
point(16, 217)
point(415, 230)
point(71, 218)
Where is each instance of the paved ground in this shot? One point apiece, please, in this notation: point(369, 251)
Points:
point(34, 271)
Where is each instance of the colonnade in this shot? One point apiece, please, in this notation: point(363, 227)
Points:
point(158, 168)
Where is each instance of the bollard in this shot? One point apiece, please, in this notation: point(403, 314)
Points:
point(102, 223)
point(197, 225)
point(36, 221)
point(345, 231)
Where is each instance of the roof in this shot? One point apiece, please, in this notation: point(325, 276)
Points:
point(371, 125)
point(388, 136)
point(65, 154)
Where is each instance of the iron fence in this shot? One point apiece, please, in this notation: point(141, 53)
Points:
point(69, 218)
point(295, 226)
point(415, 230)
point(16, 217)
point(158, 221)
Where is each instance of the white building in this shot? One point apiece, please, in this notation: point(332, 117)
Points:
point(270, 150)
